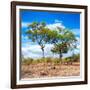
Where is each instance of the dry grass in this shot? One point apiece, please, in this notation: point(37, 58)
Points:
point(49, 69)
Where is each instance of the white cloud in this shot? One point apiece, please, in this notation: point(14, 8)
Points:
point(31, 50)
point(24, 24)
point(34, 51)
point(55, 25)
point(78, 47)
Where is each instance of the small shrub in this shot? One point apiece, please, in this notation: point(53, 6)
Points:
point(47, 60)
point(27, 61)
point(56, 60)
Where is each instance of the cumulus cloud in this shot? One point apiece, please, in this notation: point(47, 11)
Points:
point(56, 24)
point(78, 47)
point(30, 50)
point(24, 24)
point(34, 51)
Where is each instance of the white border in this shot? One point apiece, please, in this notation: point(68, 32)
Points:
point(58, 79)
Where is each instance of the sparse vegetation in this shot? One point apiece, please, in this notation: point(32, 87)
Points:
point(49, 67)
point(40, 60)
point(74, 58)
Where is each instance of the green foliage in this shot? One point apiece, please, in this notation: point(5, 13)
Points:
point(76, 57)
point(65, 41)
point(41, 34)
point(56, 61)
point(68, 59)
point(73, 58)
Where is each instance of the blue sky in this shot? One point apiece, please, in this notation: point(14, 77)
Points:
point(52, 19)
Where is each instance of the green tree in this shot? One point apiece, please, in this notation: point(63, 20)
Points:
point(38, 32)
point(60, 48)
point(64, 42)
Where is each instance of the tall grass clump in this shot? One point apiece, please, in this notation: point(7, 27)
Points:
point(27, 61)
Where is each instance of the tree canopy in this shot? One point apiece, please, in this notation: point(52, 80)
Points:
point(65, 41)
point(38, 32)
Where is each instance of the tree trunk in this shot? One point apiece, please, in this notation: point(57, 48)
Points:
point(42, 48)
point(60, 56)
point(43, 52)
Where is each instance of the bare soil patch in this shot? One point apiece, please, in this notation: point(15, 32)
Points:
point(49, 70)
